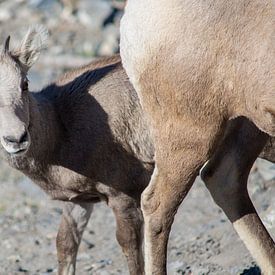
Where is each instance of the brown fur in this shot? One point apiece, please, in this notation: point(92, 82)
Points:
point(88, 143)
point(195, 65)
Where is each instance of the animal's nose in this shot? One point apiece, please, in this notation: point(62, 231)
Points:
point(18, 140)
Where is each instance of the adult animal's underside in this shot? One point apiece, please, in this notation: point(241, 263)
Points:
point(195, 65)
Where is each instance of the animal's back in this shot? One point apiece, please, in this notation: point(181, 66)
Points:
point(105, 101)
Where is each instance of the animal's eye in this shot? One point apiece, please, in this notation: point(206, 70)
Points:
point(25, 86)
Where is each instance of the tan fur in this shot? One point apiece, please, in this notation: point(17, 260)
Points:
point(195, 65)
point(226, 175)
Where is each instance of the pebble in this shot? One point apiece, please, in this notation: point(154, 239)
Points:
point(21, 269)
point(99, 265)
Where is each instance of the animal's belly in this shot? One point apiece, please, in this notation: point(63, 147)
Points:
point(74, 196)
point(65, 185)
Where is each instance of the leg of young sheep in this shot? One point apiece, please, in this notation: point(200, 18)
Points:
point(129, 231)
point(73, 223)
point(225, 175)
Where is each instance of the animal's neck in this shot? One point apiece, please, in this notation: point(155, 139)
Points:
point(43, 127)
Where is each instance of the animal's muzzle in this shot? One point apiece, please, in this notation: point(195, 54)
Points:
point(15, 145)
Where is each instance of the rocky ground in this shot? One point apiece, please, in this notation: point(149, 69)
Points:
point(202, 239)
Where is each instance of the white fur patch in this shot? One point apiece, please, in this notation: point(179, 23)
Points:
point(148, 249)
point(35, 39)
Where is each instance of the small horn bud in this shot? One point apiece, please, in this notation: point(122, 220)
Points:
point(7, 44)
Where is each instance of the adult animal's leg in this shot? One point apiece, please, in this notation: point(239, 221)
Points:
point(179, 156)
point(225, 175)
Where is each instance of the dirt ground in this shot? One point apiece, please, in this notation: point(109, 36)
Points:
point(202, 240)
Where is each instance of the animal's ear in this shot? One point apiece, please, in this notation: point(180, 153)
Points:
point(7, 44)
point(31, 46)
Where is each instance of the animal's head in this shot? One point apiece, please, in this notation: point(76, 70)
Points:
point(14, 92)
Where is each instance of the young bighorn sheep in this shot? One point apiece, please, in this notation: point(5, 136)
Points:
point(195, 65)
point(82, 139)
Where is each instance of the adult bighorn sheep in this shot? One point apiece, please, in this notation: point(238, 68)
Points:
point(82, 139)
point(195, 65)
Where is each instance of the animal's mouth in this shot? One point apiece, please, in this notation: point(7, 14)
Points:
point(14, 148)
point(19, 152)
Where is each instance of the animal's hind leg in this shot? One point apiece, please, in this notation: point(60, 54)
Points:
point(225, 175)
point(179, 156)
point(73, 223)
point(129, 231)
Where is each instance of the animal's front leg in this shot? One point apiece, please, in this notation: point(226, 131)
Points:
point(73, 223)
point(129, 231)
point(226, 174)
